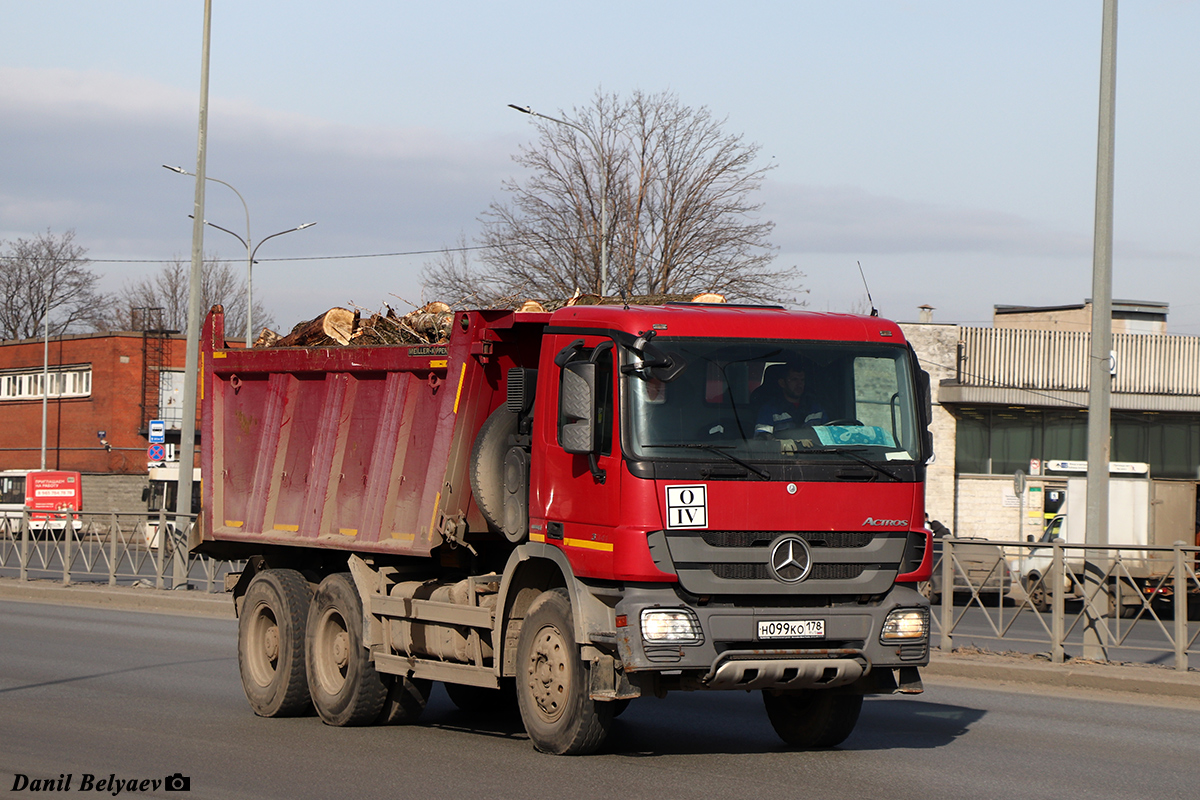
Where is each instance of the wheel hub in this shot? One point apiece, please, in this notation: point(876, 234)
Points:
point(548, 673)
point(270, 643)
point(341, 650)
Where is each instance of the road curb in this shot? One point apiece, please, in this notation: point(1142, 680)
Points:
point(128, 598)
point(1020, 668)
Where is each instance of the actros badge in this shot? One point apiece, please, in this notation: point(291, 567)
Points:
point(790, 559)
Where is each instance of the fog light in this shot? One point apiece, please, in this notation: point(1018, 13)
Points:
point(670, 626)
point(905, 624)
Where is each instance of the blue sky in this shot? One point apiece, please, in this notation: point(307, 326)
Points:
point(950, 146)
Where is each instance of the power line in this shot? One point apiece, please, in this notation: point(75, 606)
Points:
point(466, 249)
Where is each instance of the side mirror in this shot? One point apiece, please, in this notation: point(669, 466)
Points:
point(656, 364)
point(577, 408)
point(925, 406)
point(1029, 538)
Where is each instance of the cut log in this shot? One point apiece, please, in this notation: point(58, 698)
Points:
point(335, 326)
point(432, 321)
point(267, 338)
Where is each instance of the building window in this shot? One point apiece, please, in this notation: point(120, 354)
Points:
point(63, 382)
point(999, 440)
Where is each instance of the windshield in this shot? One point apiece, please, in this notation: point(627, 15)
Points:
point(774, 401)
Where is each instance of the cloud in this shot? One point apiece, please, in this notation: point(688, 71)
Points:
point(65, 94)
point(841, 219)
point(83, 151)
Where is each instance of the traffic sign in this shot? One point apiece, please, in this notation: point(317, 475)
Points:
point(158, 431)
point(156, 452)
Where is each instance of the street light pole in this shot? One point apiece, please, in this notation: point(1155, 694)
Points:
point(246, 243)
point(187, 433)
point(603, 188)
point(45, 374)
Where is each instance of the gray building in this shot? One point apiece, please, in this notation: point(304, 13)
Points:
point(1014, 396)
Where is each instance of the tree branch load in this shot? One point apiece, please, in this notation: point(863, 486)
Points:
point(431, 323)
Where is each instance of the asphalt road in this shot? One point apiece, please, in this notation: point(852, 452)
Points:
point(100, 692)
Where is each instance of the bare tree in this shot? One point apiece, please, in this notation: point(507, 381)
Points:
point(681, 211)
point(168, 289)
point(47, 275)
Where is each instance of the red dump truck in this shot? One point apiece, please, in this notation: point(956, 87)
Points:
point(580, 508)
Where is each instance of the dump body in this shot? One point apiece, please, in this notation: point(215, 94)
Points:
point(362, 449)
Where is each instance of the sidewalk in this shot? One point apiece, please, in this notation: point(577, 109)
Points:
point(1136, 679)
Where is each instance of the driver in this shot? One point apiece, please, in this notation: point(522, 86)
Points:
point(790, 408)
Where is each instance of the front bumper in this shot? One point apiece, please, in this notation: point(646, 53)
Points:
point(728, 654)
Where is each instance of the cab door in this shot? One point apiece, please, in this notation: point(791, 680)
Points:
point(575, 496)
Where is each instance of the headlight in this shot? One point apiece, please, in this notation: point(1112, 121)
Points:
point(670, 626)
point(905, 624)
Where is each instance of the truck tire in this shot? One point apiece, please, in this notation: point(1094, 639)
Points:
point(813, 718)
point(406, 699)
point(271, 633)
point(1035, 587)
point(553, 682)
point(346, 690)
point(1127, 610)
point(487, 466)
point(486, 702)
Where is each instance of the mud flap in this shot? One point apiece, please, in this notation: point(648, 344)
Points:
point(606, 681)
point(910, 681)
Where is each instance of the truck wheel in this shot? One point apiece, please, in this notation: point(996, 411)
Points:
point(271, 630)
point(553, 682)
point(406, 699)
point(478, 700)
point(487, 466)
point(1039, 598)
point(1127, 610)
point(813, 718)
point(346, 690)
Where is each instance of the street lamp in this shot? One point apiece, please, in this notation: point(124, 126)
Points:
point(603, 187)
point(246, 242)
point(46, 371)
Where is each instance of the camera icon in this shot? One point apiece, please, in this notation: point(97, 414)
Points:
point(177, 783)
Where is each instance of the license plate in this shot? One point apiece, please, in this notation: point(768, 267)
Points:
point(791, 629)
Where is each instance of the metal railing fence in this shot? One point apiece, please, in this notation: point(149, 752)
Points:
point(1140, 600)
point(114, 547)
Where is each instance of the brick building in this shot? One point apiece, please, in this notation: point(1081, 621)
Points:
point(104, 388)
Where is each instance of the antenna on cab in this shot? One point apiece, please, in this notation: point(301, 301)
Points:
point(874, 310)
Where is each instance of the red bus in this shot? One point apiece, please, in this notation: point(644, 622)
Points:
point(50, 495)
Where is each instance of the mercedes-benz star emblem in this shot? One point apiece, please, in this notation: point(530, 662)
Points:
point(790, 559)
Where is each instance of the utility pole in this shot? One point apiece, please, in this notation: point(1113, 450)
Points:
point(1099, 453)
point(187, 436)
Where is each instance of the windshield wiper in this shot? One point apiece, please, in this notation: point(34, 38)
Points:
point(712, 448)
point(855, 453)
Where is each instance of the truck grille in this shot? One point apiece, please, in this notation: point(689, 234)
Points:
point(759, 572)
point(764, 538)
point(737, 562)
